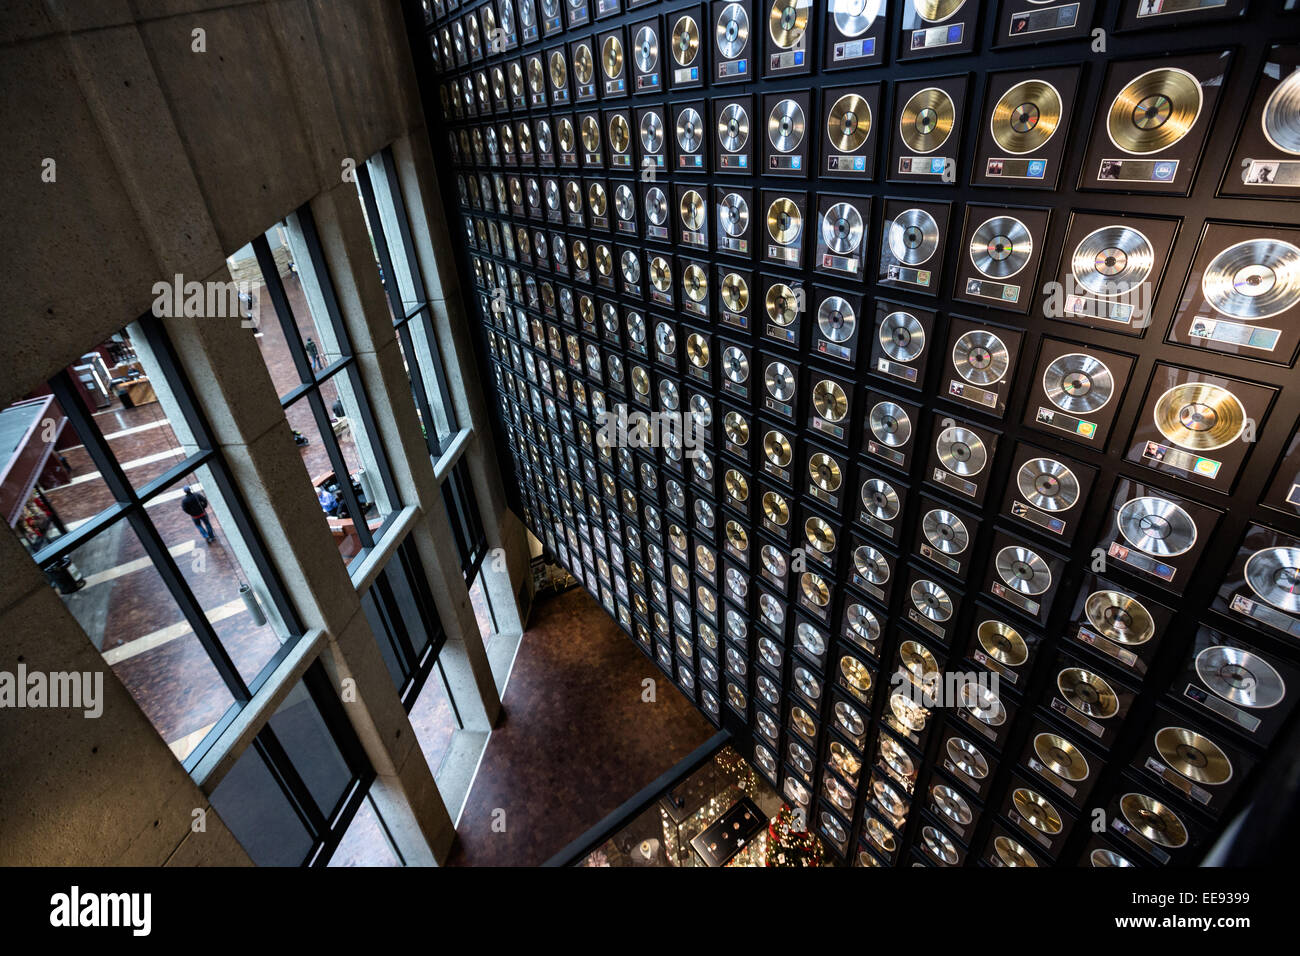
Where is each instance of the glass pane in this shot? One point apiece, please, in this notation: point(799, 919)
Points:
point(408, 604)
point(383, 637)
point(374, 250)
point(365, 843)
point(213, 563)
point(129, 614)
point(306, 292)
point(270, 336)
point(260, 816)
point(482, 610)
point(402, 258)
point(329, 493)
point(433, 720)
point(341, 395)
point(50, 479)
point(427, 354)
point(302, 732)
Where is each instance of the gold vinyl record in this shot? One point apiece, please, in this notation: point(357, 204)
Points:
point(535, 76)
point(936, 11)
point(1274, 575)
point(1011, 853)
point(775, 508)
point(661, 274)
point(880, 835)
point(1154, 111)
point(737, 428)
point(830, 401)
point(1025, 116)
point(584, 67)
point(803, 722)
point(815, 588)
point(1087, 692)
point(1196, 757)
point(736, 484)
point(787, 21)
point(498, 83)
point(1255, 279)
point(579, 254)
point(590, 134)
point(919, 662)
point(1153, 820)
point(737, 536)
point(559, 70)
point(620, 134)
point(1280, 117)
point(1119, 617)
point(1002, 642)
point(1200, 416)
point(848, 123)
point(597, 199)
point(1061, 757)
point(927, 120)
point(685, 41)
point(611, 57)
point(781, 303)
point(784, 221)
point(908, 712)
point(695, 282)
point(604, 260)
point(824, 472)
point(735, 292)
point(692, 210)
point(1102, 857)
point(1037, 810)
point(777, 448)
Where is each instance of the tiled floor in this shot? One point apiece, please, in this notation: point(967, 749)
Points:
point(576, 741)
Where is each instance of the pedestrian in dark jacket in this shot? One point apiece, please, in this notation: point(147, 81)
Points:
point(196, 506)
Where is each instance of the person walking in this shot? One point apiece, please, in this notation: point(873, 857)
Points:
point(196, 506)
point(313, 353)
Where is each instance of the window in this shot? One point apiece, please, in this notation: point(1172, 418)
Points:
point(309, 356)
point(408, 304)
point(293, 793)
point(116, 489)
point(466, 521)
point(401, 612)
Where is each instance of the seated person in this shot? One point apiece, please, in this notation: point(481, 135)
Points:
point(329, 501)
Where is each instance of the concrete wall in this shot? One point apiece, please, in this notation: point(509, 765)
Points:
point(135, 155)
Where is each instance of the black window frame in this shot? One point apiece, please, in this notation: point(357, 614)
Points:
point(466, 520)
point(404, 313)
point(310, 381)
point(130, 505)
point(416, 664)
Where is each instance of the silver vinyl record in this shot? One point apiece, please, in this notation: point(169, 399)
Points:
point(652, 132)
point(646, 43)
point(1156, 526)
point(945, 531)
point(624, 202)
point(980, 358)
point(1255, 279)
point(1023, 570)
point(1001, 247)
point(890, 424)
point(913, 237)
point(665, 339)
point(961, 451)
point(733, 214)
point(1274, 575)
point(983, 704)
point(733, 128)
point(543, 136)
point(732, 32)
point(735, 365)
point(1240, 676)
point(967, 758)
point(690, 130)
point(1112, 261)
point(931, 600)
point(842, 228)
point(1047, 484)
point(871, 564)
point(656, 205)
point(636, 325)
point(863, 622)
point(880, 499)
point(835, 319)
point(1078, 383)
point(1280, 117)
point(855, 17)
point(785, 126)
point(552, 194)
point(779, 381)
point(901, 336)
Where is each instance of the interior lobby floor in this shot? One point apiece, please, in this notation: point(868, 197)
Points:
point(576, 740)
